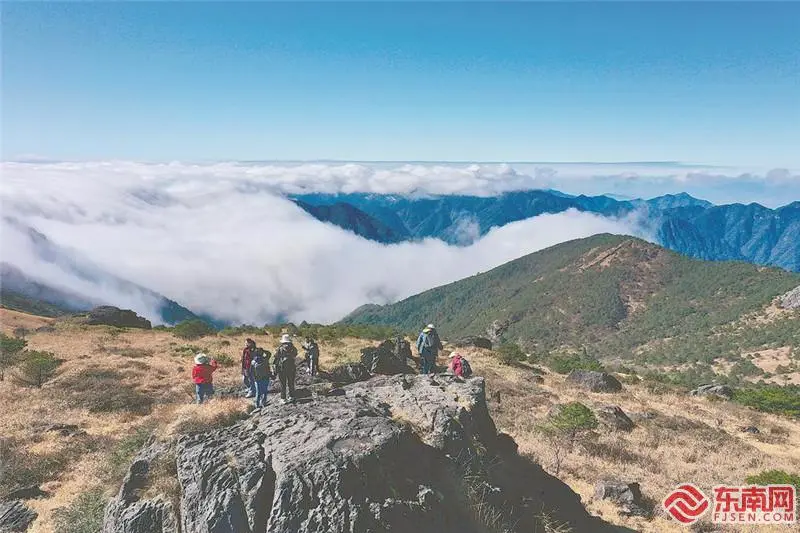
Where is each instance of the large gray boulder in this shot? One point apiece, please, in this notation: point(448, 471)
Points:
point(107, 315)
point(791, 300)
point(382, 359)
point(628, 496)
point(347, 373)
point(15, 516)
point(594, 381)
point(720, 391)
point(394, 453)
point(613, 417)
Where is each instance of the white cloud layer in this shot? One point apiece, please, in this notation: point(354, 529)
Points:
point(220, 239)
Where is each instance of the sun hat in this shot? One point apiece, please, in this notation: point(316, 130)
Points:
point(430, 326)
point(453, 354)
point(201, 359)
point(286, 339)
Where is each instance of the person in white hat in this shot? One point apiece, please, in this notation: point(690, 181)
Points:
point(428, 346)
point(202, 375)
point(286, 367)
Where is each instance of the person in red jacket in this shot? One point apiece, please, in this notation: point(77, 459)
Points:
point(247, 371)
point(202, 374)
point(457, 364)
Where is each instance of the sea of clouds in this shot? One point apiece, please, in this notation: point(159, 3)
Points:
point(222, 238)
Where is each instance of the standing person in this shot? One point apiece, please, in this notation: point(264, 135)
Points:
point(428, 346)
point(247, 372)
point(312, 355)
point(261, 375)
point(202, 377)
point(286, 365)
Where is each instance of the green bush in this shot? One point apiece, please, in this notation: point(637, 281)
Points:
point(36, 368)
point(84, 515)
point(193, 329)
point(510, 353)
point(10, 349)
point(573, 418)
point(564, 364)
point(771, 399)
point(774, 477)
point(245, 329)
point(225, 360)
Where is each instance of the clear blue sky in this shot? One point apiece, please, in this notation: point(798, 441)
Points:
point(715, 83)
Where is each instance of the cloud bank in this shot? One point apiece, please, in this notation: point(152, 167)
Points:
point(220, 239)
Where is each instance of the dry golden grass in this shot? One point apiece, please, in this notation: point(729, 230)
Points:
point(158, 365)
point(692, 439)
point(117, 366)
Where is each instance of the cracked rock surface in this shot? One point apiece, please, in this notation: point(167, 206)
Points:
point(390, 454)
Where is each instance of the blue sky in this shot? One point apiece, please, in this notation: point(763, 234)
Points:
point(715, 83)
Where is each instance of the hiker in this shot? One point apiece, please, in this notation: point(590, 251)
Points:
point(459, 366)
point(286, 366)
point(261, 372)
point(247, 372)
point(428, 346)
point(312, 355)
point(202, 377)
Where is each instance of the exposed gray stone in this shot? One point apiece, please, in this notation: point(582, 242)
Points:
point(628, 496)
point(791, 300)
point(594, 381)
point(614, 417)
point(721, 391)
point(473, 341)
point(15, 516)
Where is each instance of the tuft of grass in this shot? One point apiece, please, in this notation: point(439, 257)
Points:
point(124, 452)
point(218, 413)
point(104, 391)
point(83, 515)
point(774, 477)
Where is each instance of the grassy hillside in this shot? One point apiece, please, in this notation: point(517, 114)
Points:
point(75, 436)
point(19, 302)
point(619, 297)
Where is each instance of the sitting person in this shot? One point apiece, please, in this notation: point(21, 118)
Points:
point(459, 366)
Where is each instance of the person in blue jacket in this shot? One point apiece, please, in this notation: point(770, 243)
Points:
point(428, 347)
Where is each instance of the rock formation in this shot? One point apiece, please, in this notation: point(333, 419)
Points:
point(15, 516)
point(394, 453)
point(594, 381)
point(107, 315)
point(791, 300)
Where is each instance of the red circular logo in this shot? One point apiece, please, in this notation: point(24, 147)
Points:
point(686, 504)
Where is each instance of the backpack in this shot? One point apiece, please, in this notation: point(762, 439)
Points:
point(260, 367)
point(466, 370)
point(285, 353)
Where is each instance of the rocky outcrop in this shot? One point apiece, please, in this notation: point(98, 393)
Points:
point(394, 453)
point(720, 391)
point(497, 329)
point(15, 516)
point(107, 315)
point(594, 381)
point(628, 496)
point(473, 341)
point(382, 359)
point(347, 373)
point(613, 417)
point(128, 512)
point(791, 300)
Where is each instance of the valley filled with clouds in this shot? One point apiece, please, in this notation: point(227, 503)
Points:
point(223, 240)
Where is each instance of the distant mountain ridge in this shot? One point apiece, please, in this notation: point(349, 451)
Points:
point(680, 222)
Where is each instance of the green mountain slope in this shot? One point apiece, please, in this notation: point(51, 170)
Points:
point(621, 297)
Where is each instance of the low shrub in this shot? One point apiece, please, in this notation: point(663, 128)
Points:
point(193, 329)
point(774, 477)
point(564, 364)
point(225, 360)
point(783, 400)
point(124, 452)
point(36, 368)
point(510, 353)
point(103, 391)
point(83, 515)
point(10, 349)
